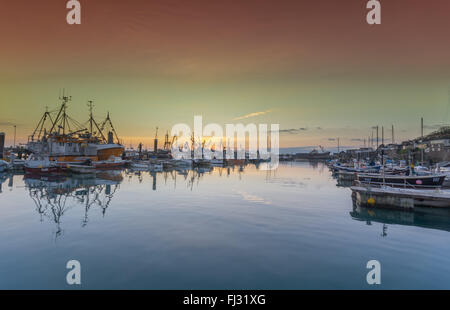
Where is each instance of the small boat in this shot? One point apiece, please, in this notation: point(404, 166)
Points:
point(168, 164)
point(414, 181)
point(140, 165)
point(4, 165)
point(217, 162)
point(401, 198)
point(156, 167)
point(183, 162)
point(41, 165)
point(202, 162)
point(356, 168)
point(112, 163)
point(82, 169)
point(17, 164)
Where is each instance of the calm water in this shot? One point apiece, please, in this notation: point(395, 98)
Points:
point(292, 228)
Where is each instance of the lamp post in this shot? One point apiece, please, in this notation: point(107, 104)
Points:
point(15, 127)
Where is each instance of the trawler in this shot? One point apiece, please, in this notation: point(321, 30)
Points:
point(64, 140)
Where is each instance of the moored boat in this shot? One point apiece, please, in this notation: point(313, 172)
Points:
point(156, 167)
point(140, 165)
point(4, 165)
point(83, 169)
point(112, 163)
point(415, 181)
point(400, 198)
point(41, 165)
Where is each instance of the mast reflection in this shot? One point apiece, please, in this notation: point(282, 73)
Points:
point(421, 217)
point(54, 196)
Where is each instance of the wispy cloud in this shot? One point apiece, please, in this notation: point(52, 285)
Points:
point(252, 115)
point(291, 131)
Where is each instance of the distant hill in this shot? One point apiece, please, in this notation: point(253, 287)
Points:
point(441, 133)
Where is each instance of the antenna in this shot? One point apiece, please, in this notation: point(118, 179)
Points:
point(393, 141)
point(91, 119)
point(421, 127)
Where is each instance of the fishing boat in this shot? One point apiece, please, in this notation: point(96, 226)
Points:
point(41, 165)
point(415, 181)
point(66, 140)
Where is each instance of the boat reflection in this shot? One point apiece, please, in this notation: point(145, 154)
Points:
point(54, 196)
point(191, 176)
point(3, 178)
point(421, 217)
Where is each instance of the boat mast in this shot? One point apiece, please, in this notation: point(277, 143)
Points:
point(40, 125)
point(61, 118)
point(91, 106)
point(108, 120)
point(92, 121)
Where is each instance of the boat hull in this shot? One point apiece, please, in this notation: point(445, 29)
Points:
point(43, 170)
point(415, 181)
point(104, 153)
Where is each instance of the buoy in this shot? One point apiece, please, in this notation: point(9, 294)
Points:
point(371, 201)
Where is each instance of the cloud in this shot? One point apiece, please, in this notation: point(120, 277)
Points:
point(292, 131)
point(252, 115)
point(358, 140)
point(331, 139)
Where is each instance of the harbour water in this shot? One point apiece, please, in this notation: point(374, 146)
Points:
point(228, 228)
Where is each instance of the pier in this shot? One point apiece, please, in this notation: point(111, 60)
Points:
point(399, 198)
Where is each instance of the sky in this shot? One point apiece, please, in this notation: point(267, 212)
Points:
point(316, 68)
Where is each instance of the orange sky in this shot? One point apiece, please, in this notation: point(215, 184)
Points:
point(299, 59)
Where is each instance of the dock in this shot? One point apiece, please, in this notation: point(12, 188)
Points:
point(400, 198)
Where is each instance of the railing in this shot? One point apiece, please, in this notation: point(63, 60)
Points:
point(405, 185)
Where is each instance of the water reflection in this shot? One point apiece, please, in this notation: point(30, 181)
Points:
point(420, 217)
point(190, 176)
point(54, 196)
